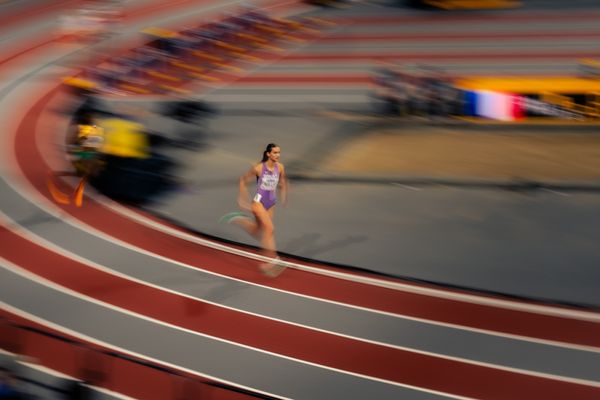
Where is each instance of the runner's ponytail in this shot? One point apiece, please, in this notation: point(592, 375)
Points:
point(270, 146)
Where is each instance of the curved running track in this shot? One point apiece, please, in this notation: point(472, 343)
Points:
point(121, 280)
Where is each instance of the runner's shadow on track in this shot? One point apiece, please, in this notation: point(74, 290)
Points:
point(308, 244)
point(212, 292)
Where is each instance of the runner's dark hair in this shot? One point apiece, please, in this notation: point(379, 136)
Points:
point(270, 146)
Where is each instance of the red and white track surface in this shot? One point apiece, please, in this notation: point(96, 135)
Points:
point(120, 280)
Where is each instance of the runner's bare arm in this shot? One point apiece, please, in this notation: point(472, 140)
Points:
point(243, 197)
point(283, 185)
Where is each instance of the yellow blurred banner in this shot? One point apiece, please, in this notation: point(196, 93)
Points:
point(530, 85)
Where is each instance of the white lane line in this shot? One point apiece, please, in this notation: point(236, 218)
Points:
point(192, 238)
point(9, 266)
point(14, 227)
point(42, 281)
point(106, 345)
point(27, 191)
point(404, 287)
point(469, 298)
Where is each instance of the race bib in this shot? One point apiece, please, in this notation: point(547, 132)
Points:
point(269, 182)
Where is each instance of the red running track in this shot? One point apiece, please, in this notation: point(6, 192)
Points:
point(457, 377)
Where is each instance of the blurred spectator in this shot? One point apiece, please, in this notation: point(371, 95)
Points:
point(9, 388)
point(132, 172)
point(78, 390)
point(387, 90)
point(427, 93)
point(125, 138)
point(187, 110)
point(190, 116)
point(83, 143)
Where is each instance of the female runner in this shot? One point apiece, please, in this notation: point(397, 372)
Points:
point(270, 176)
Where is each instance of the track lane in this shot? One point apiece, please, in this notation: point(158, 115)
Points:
point(339, 353)
point(527, 352)
point(121, 374)
point(508, 321)
point(193, 352)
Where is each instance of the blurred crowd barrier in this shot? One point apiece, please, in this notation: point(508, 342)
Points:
point(424, 91)
point(87, 366)
point(428, 92)
point(170, 59)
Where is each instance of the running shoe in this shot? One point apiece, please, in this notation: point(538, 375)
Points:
point(272, 269)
